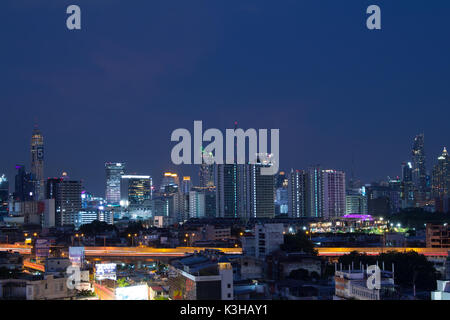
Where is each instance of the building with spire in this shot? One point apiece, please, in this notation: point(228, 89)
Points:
point(37, 163)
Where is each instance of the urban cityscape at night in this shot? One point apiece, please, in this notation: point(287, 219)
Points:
point(341, 192)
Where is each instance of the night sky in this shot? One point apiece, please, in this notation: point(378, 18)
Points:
point(139, 69)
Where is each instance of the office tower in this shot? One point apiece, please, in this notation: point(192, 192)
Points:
point(333, 193)
point(281, 201)
point(356, 201)
point(231, 191)
point(419, 175)
point(210, 202)
point(260, 195)
point(4, 195)
point(395, 194)
point(196, 204)
point(407, 186)
point(281, 180)
point(170, 183)
point(135, 189)
point(378, 199)
point(206, 172)
point(314, 192)
point(67, 195)
point(297, 194)
point(24, 185)
point(114, 173)
point(441, 177)
point(186, 185)
point(37, 163)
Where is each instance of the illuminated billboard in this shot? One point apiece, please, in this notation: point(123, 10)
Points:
point(76, 256)
point(105, 271)
point(139, 292)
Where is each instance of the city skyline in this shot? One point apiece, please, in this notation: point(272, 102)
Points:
point(341, 95)
point(194, 171)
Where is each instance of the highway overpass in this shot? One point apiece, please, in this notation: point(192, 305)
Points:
point(145, 252)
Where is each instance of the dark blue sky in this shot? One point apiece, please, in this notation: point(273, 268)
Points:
point(139, 69)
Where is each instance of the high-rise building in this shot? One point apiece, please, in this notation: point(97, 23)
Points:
point(186, 185)
point(4, 195)
point(37, 163)
point(261, 188)
point(419, 175)
point(114, 173)
point(24, 185)
point(67, 195)
point(297, 194)
point(333, 193)
point(407, 186)
point(441, 177)
point(170, 183)
point(196, 204)
point(206, 173)
point(356, 202)
point(314, 193)
point(231, 191)
point(135, 189)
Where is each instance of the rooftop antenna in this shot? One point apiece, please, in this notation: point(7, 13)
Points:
point(352, 265)
point(335, 267)
point(383, 265)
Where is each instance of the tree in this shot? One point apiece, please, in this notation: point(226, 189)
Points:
point(299, 274)
point(298, 242)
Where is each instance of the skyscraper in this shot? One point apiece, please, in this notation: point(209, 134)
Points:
point(206, 173)
point(419, 175)
point(67, 195)
point(314, 193)
point(138, 188)
point(333, 193)
point(24, 185)
point(297, 194)
point(231, 191)
point(170, 183)
point(114, 173)
point(441, 176)
point(261, 192)
point(37, 163)
point(4, 195)
point(407, 186)
point(186, 185)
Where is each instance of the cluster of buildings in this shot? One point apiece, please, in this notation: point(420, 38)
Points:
point(225, 191)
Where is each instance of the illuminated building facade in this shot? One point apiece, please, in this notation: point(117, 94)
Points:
point(114, 173)
point(68, 200)
point(261, 192)
point(138, 189)
point(206, 173)
point(441, 176)
point(186, 185)
point(419, 175)
point(314, 193)
point(37, 163)
point(230, 191)
point(407, 188)
point(170, 183)
point(297, 194)
point(4, 195)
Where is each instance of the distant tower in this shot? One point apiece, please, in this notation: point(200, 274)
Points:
point(441, 176)
point(114, 173)
point(207, 171)
point(37, 163)
point(419, 174)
